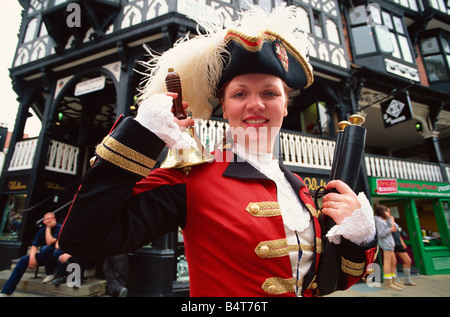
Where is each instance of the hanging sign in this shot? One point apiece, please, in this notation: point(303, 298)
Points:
point(396, 110)
point(90, 85)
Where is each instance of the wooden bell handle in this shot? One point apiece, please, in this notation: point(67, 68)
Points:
point(173, 84)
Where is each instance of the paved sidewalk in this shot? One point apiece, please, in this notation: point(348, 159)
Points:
point(426, 286)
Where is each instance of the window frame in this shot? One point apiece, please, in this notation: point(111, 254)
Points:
point(363, 15)
point(443, 51)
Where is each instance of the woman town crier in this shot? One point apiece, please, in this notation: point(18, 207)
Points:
point(249, 224)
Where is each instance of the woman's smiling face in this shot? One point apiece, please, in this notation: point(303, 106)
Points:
point(255, 105)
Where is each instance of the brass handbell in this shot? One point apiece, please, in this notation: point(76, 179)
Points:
point(183, 158)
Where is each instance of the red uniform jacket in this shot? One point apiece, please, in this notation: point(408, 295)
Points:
point(233, 230)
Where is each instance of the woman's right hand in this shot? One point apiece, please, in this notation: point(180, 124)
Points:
point(184, 123)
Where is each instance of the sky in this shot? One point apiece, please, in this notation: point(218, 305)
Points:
point(9, 29)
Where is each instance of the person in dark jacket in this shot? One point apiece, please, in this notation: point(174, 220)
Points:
point(41, 254)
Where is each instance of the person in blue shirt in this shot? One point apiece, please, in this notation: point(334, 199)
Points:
point(46, 239)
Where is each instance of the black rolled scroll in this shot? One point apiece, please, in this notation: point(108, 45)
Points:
point(347, 161)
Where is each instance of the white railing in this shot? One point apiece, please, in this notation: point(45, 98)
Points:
point(61, 157)
point(306, 151)
point(210, 132)
point(389, 167)
point(23, 155)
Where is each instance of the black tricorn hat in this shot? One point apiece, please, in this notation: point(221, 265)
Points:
point(266, 53)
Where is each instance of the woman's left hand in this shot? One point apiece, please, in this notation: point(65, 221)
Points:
point(339, 205)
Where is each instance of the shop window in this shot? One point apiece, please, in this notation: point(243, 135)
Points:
point(314, 119)
point(436, 56)
point(12, 217)
point(428, 223)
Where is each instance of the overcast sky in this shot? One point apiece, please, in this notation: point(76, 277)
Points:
point(9, 28)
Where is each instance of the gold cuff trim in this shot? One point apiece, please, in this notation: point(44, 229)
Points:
point(352, 268)
point(127, 152)
point(121, 162)
point(264, 209)
point(278, 285)
point(279, 248)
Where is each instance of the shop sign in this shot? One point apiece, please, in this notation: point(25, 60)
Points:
point(386, 186)
point(90, 85)
point(314, 183)
point(380, 186)
point(53, 186)
point(396, 110)
point(17, 184)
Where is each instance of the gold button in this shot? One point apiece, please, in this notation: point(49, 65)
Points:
point(272, 290)
point(264, 250)
point(254, 209)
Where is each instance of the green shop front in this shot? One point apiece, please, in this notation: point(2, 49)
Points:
point(422, 210)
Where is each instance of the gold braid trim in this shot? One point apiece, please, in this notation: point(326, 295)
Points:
point(319, 245)
point(352, 268)
point(120, 161)
point(243, 39)
point(127, 152)
point(279, 248)
point(278, 285)
point(264, 209)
